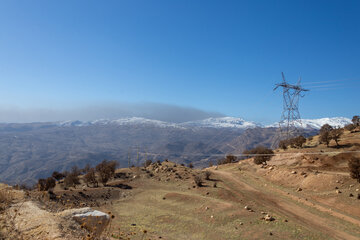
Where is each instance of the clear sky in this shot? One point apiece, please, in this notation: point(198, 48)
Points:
point(218, 56)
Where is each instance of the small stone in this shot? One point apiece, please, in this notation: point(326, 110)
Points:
point(241, 223)
point(299, 189)
point(338, 191)
point(270, 234)
point(285, 220)
point(206, 208)
point(351, 195)
point(263, 212)
point(293, 172)
point(357, 189)
point(247, 208)
point(269, 218)
point(211, 216)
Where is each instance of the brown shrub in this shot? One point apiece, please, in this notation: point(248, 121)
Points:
point(261, 154)
point(90, 177)
point(198, 180)
point(207, 175)
point(71, 180)
point(106, 170)
point(354, 168)
point(58, 175)
point(147, 163)
point(228, 159)
point(191, 165)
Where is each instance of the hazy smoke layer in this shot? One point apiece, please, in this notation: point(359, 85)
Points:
point(163, 112)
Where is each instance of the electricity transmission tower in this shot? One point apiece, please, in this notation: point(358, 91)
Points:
point(290, 117)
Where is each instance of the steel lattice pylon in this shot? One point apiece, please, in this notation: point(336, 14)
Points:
point(290, 117)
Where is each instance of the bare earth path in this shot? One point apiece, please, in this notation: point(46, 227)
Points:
point(302, 212)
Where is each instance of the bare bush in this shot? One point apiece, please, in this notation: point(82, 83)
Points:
point(325, 134)
point(90, 178)
point(228, 159)
point(356, 120)
point(207, 175)
point(191, 165)
point(106, 170)
point(335, 134)
point(58, 175)
point(350, 127)
point(147, 163)
point(261, 154)
point(198, 180)
point(71, 180)
point(354, 168)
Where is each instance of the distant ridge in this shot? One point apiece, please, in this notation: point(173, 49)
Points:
point(221, 122)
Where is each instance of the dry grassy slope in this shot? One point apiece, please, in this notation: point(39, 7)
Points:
point(162, 201)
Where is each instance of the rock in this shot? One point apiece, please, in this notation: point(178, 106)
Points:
point(299, 189)
point(241, 223)
point(351, 195)
point(285, 220)
point(263, 212)
point(336, 188)
point(247, 208)
point(269, 218)
point(270, 234)
point(357, 189)
point(358, 196)
point(351, 185)
point(206, 208)
point(216, 168)
point(93, 220)
point(338, 191)
point(271, 168)
point(293, 172)
point(337, 181)
point(302, 173)
point(211, 216)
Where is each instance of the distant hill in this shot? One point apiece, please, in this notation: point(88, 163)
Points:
point(34, 150)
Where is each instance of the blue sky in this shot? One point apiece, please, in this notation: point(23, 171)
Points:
point(218, 56)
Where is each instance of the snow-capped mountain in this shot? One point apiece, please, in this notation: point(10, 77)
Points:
point(318, 123)
point(120, 122)
point(223, 122)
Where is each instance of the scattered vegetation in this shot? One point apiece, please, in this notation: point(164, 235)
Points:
point(207, 175)
point(90, 178)
point(261, 154)
point(296, 142)
point(228, 159)
point(191, 165)
point(147, 163)
point(58, 176)
point(356, 120)
point(71, 180)
point(198, 180)
point(328, 133)
point(46, 184)
point(354, 168)
point(106, 170)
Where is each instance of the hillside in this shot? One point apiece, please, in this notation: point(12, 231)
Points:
point(301, 193)
point(34, 150)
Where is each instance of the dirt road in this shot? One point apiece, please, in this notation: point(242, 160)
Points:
point(288, 205)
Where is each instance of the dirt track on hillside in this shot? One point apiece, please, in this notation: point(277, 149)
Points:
point(286, 206)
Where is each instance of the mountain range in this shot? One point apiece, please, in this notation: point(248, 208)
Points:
point(34, 150)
